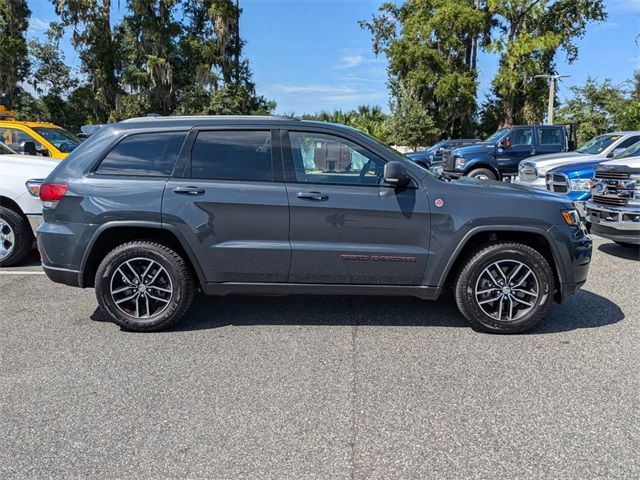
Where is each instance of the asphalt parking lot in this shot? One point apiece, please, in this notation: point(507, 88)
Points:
point(321, 387)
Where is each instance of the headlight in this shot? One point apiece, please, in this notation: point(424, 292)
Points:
point(460, 162)
point(580, 184)
point(571, 217)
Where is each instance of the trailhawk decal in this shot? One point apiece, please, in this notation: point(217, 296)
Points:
point(377, 258)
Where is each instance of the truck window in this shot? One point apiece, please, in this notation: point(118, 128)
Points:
point(550, 136)
point(522, 136)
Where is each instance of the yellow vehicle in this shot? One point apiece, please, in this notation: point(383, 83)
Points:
point(35, 138)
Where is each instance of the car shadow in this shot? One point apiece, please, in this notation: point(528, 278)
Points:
point(583, 310)
point(626, 253)
point(31, 260)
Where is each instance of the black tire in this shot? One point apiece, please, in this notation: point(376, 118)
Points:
point(483, 173)
point(628, 245)
point(469, 282)
point(174, 272)
point(16, 237)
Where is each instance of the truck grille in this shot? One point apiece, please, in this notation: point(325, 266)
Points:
point(610, 200)
point(612, 175)
point(447, 160)
point(557, 182)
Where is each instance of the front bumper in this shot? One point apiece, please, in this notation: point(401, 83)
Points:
point(620, 224)
point(537, 183)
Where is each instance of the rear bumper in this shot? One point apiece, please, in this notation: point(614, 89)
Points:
point(62, 275)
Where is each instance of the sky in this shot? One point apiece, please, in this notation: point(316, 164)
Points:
point(311, 55)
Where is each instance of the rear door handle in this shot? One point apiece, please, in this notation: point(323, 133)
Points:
point(189, 190)
point(312, 196)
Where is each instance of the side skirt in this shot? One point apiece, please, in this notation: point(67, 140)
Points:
point(281, 289)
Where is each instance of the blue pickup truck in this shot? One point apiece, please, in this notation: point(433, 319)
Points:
point(499, 155)
point(575, 179)
point(432, 156)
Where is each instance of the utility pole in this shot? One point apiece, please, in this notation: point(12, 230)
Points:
point(552, 93)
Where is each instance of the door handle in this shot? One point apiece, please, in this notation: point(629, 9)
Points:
point(312, 196)
point(189, 190)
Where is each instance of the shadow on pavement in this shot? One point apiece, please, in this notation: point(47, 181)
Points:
point(627, 253)
point(583, 310)
point(31, 260)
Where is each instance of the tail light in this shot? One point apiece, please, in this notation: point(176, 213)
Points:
point(53, 192)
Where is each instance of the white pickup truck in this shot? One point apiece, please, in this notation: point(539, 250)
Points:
point(20, 206)
point(614, 208)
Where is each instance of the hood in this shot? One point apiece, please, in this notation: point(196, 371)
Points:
point(424, 155)
point(544, 163)
point(480, 147)
point(509, 190)
point(574, 168)
point(631, 162)
point(32, 166)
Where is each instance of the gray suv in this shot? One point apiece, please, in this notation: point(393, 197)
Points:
point(148, 211)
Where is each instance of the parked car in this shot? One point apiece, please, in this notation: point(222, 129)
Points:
point(614, 207)
point(4, 150)
point(432, 156)
point(498, 156)
point(532, 171)
point(575, 179)
point(146, 211)
point(20, 206)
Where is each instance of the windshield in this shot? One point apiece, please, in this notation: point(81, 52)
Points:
point(63, 140)
point(499, 135)
point(632, 151)
point(598, 144)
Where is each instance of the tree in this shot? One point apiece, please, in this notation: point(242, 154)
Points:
point(412, 124)
point(99, 52)
point(431, 48)
point(371, 120)
point(14, 60)
point(529, 34)
point(49, 73)
point(596, 108)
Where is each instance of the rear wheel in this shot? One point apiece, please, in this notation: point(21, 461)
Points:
point(144, 286)
point(16, 238)
point(505, 288)
point(482, 173)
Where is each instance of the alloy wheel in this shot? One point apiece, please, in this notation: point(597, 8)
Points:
point(507, 290)
point(7, 239)
point(141, 288)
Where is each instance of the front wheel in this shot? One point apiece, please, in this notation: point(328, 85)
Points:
point(482, 173)
point(144, 286)
point(505, 287)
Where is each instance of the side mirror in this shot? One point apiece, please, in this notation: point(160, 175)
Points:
point(395, 173)
point(616, 151)
point(28, 148)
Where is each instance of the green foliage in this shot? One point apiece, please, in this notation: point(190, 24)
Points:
point(602, 107)
point(49, 72)
point(14, 61)
point(529, 34)
point(371, 120)
point(431, 47)
point(412, 124)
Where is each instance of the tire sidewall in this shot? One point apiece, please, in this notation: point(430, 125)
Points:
point(543, 275)
point(23, 238)
point(175, 270)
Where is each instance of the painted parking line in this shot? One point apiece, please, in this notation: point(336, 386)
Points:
point(10, 272)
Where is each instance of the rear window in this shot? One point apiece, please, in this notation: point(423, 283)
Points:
point(232, 155)
point(550, 136)
point(148, 154)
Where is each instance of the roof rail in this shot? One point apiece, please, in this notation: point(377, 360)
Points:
point(153, 116)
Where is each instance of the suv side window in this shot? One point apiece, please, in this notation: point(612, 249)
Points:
point(232, 155)
point(522, 136)
point(321, 158)
point(148, 154)
point(550, 136)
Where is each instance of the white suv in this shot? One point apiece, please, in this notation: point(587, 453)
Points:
point(20, 207)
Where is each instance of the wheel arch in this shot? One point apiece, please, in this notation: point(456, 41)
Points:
point(482, 164)
point(11, 204)
point(535, 238)
point(110, 235)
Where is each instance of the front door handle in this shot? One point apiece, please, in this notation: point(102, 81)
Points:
point(313, 196)
point(189, 190)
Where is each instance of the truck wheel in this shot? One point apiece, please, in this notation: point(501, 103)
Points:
point(144, 286)
point(482, 173)
point(505, 287)
point(16, 238)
